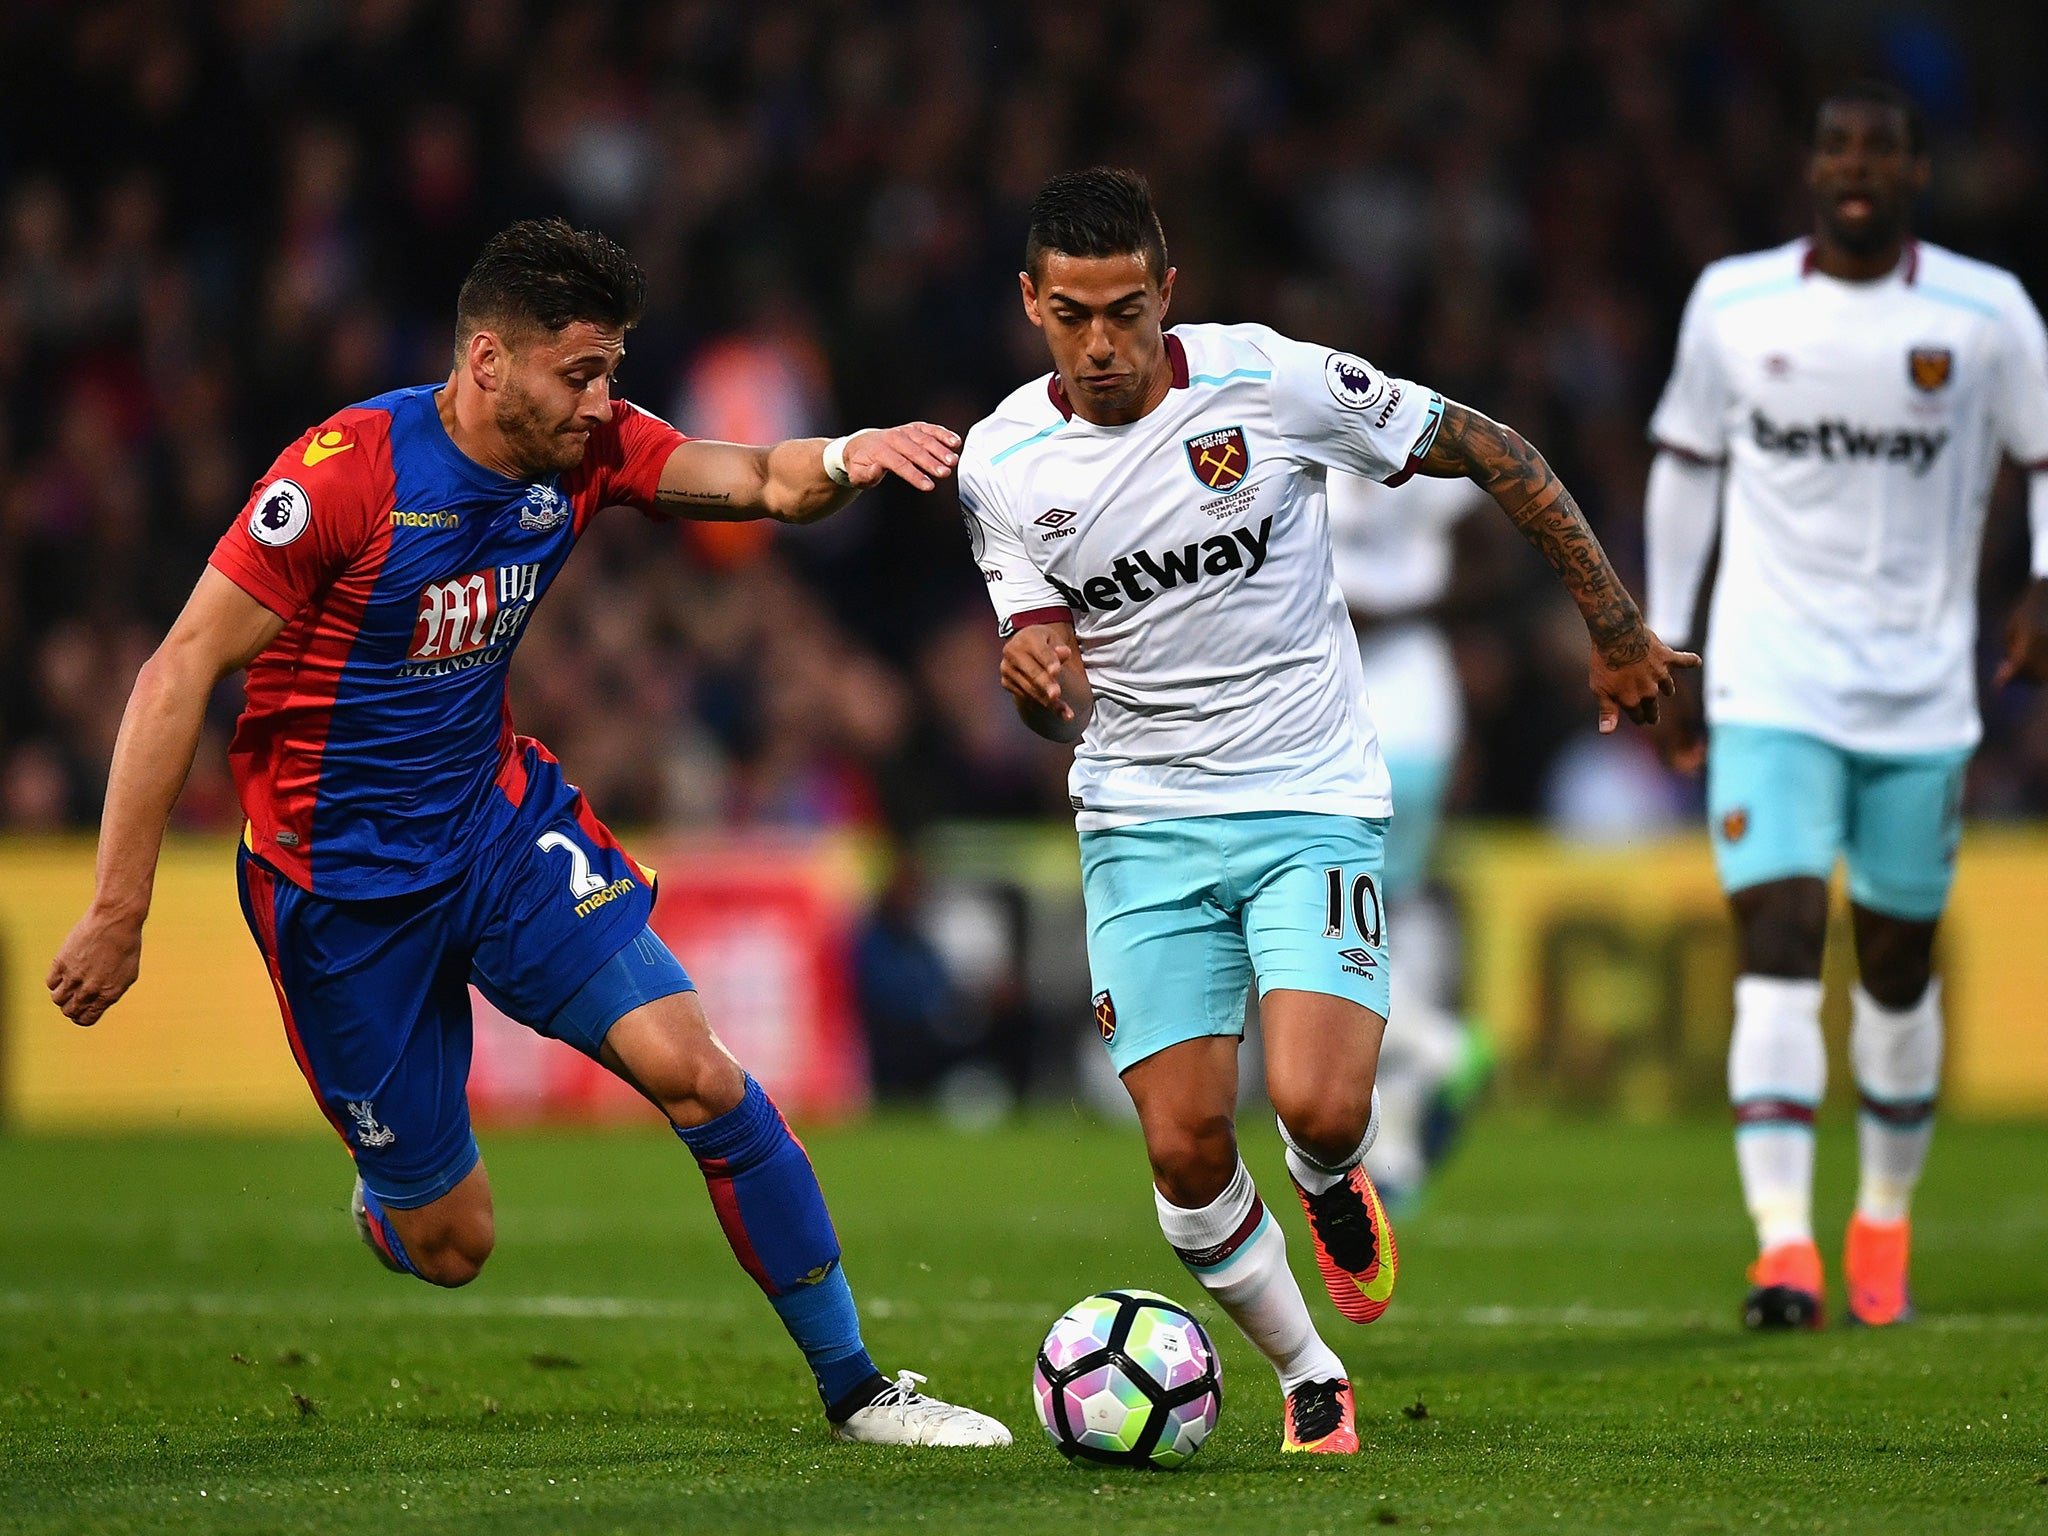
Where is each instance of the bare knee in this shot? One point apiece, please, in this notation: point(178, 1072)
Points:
point(448, 1241)
point(1193, 1159)
point(1782, 928)
point(1894, 957)
point(667, 1051)
point(1322, 1054)
point(453, 1253)
point(1330, 1124)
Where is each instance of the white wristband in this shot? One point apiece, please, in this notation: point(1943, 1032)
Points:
point(835, 459)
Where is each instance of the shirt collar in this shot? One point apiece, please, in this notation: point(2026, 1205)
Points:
point(1176, 357)
point(1908, 269)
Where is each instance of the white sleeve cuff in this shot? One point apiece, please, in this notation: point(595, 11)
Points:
point(2037, 516)
point(1681, 514)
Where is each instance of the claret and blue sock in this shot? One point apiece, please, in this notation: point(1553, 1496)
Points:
point(768, 1201)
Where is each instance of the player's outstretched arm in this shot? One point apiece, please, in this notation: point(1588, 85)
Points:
point(221, 630)
point(1043, 672)
point(793, 482)
point(1631, 667)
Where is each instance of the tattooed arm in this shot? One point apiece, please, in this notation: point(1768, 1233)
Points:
point(731, 482)
point(1631, 666)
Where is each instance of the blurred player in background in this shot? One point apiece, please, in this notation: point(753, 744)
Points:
point(1838, 409)
point(403, 844)
point(1393, 560)
point(1155, 507)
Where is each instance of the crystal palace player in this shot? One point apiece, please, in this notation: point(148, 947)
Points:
point(1155, 509)
point(403, 842)
point(1838, 409)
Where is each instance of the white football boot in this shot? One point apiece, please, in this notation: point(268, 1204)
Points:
point(360, 1212)
point(902, 1415)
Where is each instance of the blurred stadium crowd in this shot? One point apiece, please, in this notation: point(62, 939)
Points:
point(223, 221)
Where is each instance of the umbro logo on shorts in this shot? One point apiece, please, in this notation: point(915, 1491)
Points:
point(1359, 962)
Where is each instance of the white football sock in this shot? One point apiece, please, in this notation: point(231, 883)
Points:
point(1238, 1252)
point(1420, 1050)
point(1397, 1162)
point(1314, 1176)
point(1897, 1057)
point(1777, 1072)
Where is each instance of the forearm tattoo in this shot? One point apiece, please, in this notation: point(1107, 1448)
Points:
point(1501, 461)
point(674, 498)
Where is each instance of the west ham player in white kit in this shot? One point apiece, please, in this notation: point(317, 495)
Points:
point(1838, 409)
point(1393, 549)
point(1150, 519)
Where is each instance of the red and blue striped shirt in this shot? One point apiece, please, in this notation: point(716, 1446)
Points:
point(376, 749)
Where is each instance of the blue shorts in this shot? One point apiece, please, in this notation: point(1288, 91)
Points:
point(1782, 803)
point(375, 993)
point(1183, 913)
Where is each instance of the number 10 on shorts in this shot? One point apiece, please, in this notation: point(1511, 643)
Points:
point(1361, 901)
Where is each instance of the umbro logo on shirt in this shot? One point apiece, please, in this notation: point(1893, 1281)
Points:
point(1833, 440)
point(1057, 524)
point(1242, 549)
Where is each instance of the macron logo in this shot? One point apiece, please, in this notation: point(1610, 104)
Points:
point(1240, 550)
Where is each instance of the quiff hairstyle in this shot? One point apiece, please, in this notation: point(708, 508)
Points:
point(1099, 212)
point(541, 275)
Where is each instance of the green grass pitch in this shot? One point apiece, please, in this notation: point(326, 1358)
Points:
point(191, 1339)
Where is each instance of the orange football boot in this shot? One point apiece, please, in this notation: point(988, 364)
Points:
point(1354, 1245)
point(1319, 1419)
point(1874, 1267)
point(1785, 1288)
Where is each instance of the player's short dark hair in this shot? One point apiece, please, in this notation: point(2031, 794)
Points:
point(1878, 93)
point(1100, 212)
point(541, 274)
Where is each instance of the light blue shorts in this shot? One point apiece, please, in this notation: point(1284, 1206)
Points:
point(1419, 786)
point(1781, 803)
point(1183, 913)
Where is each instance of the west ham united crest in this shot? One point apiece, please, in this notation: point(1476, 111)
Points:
point(1105, 1015)
point(1930, 367)
point(1219, 459)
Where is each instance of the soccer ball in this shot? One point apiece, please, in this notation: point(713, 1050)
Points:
point(1128, 1377)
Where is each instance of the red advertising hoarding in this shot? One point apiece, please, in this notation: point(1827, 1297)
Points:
point(763, 929)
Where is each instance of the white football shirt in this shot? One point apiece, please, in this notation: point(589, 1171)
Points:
point(1393, 557)
point(1191, 550)
point(1861, 425)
